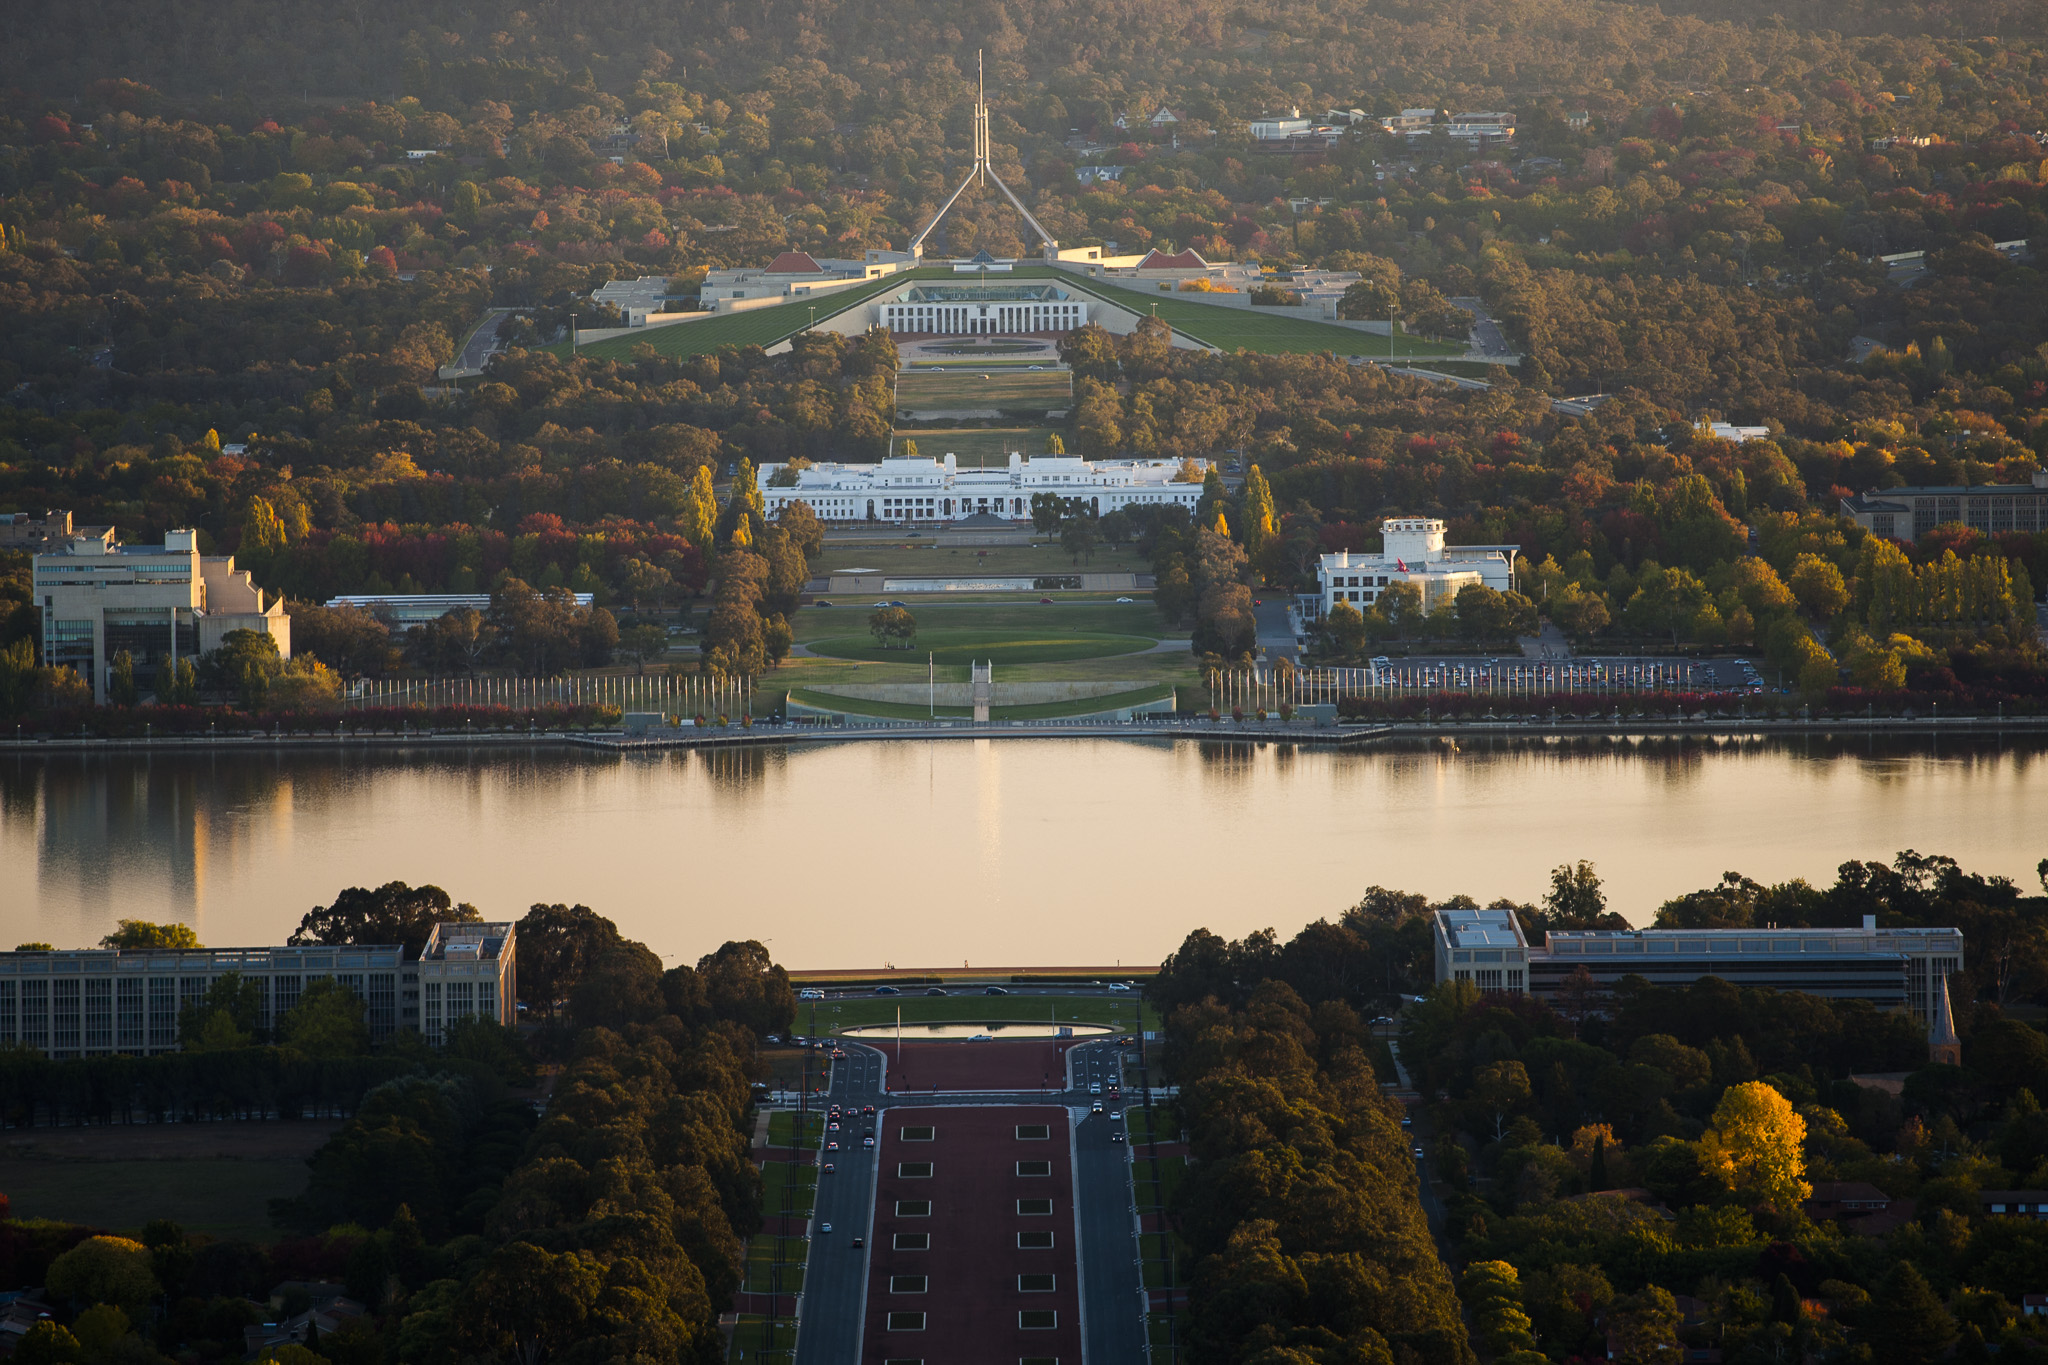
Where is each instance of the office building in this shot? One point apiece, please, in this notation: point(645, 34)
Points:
point(1891, 968)
point(403, 610)
point(1412, 551)
point(159, 603)
point(1906, 514)
point(91, 1002)
point(982, 308)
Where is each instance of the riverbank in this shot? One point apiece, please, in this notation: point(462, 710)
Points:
point(1232, 731)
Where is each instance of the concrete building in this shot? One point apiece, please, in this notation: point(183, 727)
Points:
point(1410, 122)
point(1892, 968)
point(794, 275)
point(23, 533)
point(1490, 126)
point(1412, 551)
point(92, 1002)
point(160, 603)
point(1993, 508)
point(465, 971)
point(982, 308)
point(920, 491)
point(1274, 127)
point(404, 610)
point(639, 299)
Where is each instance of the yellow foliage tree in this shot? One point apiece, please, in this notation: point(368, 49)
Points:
point(1754, 1145)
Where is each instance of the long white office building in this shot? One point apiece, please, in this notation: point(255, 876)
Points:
point(1891, 968)
point(920, 490)
point(1412, 551)
point(99, 1001)
point(983, 309)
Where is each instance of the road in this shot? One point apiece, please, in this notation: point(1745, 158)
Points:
point(836, 1282)
point(1487, 339)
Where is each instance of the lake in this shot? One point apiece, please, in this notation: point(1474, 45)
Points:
point(1027, 852)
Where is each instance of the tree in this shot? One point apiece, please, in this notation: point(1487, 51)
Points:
point(645, 582)
point(893, 623)
point(456, 641)
point(1401, 604)
point(557, 944)
point(1819, 586)
point(533, 1302)
point(46, 1343)
point(1575, 899)
point(1754, 1146)
point(1077, 537)
point(177, 684)
point(1905, 1322)
point(348, 639)
point(243, 665)
point(806, 533)
point(642, 643)
point(110, 1270)
point(18, 677)
point(1258, 523)
point(393, 913)
point(329, 1021)
point(121, 684)
point(1500, 1088)
point(1369, 300)
point(1046, 511)
point(137, 933)
point(225, 1018)
point(1343, 631)
point(742, 983)
point(1644, 1328)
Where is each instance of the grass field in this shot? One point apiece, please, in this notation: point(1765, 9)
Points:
point(977, 1008)
point(1008, 391)
point(760, 1274)
point(935, 560)
point(226, 1198)
point(1050, 710)
point(782, 1128)
point(1029, 619)
point(750, 1341)
point(797, 1180)
point(1251, 329)
point(758, 327)
point(945, 645)
point(984, 448)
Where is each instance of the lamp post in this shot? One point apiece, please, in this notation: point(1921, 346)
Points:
point(572, 335)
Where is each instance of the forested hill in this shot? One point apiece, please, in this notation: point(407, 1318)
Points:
point(1220, 56)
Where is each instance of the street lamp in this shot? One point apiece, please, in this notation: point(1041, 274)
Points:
point(572, 334)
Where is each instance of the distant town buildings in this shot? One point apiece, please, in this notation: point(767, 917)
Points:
point(1491, 126)
point(917, 491)
point(159, 603)
point(1413, 551)
point(1906, 514)
point(91, 1002)
point(21, 532)
point(1903, 969)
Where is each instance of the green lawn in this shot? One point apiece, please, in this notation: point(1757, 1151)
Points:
point(976, 1008)
point(750, 1341)
point(757, 327)
point(1049, 710)
point(964, 645)
point(1005, 390)
point(1007, 617)
point(223, 1197)
point(985, 448)
point(782, 1129)
point(1252, 329)
point(798, 1180)
point(1171, 1170)
point(760, 1267)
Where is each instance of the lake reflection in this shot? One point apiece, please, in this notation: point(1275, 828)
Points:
point(1013, 853)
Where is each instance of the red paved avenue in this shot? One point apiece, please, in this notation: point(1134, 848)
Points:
point(1021, 1065)
point(972, 1298)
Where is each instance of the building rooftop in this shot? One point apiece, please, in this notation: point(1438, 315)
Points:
point(795, 263)
point(467, 942)
point(1481, 928)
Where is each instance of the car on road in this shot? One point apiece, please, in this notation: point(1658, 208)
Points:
point(869, 1111)
point(810, 993)
point(1095, 1108)
point(860, 1242)
point(904, 605)
point(821, 604)
point(867, 1142)
point(993, 990)
point(829, 1168)
point(1418, 1151)
point(887, 990)
point(1095, 1089)
point(824, 1227)
point(833, 1126)
point(1407, 1122)
point(1118, 986)
point(1045, 601)
point(1117, 1136)
point(881, 604)
point(935, 990)
point(1116, 1113)
point(1126, 599)
point(831, 1146)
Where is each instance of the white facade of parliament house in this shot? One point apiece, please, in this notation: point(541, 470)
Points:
point(982, 309)
point(929, 490)
point(1412, 551)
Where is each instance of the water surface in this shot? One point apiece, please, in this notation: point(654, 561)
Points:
point(991, 852)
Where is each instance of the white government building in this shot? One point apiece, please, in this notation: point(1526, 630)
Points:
point(1413, 551)
point(921, 490)
point(983, 309)
point(161, 603)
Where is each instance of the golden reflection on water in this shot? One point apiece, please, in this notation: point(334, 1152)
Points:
point(1025, 852)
